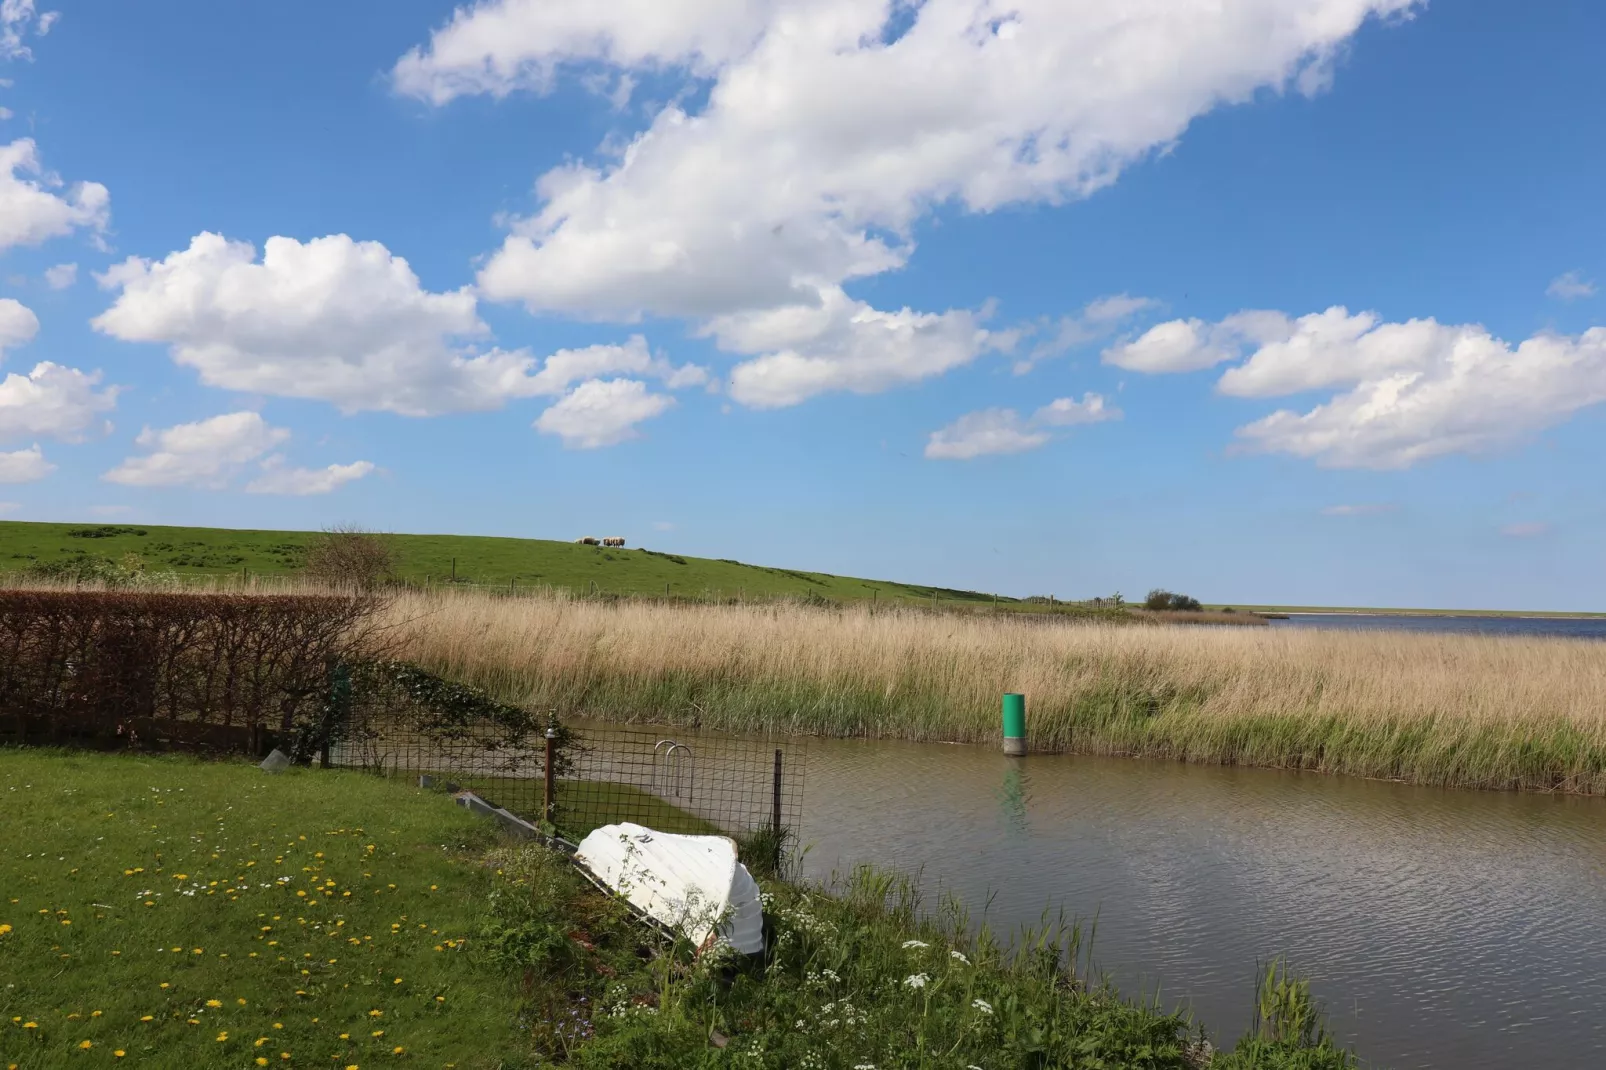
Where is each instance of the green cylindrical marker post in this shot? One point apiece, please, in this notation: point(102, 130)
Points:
point(1014, 724)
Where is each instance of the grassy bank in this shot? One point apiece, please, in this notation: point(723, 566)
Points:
point(169, 913)
point(496, 562)
point(1460, 710)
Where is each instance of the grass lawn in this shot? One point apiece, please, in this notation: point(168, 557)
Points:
point(481, 560)
point(164, 912)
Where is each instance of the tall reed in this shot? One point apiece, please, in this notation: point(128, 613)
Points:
point(1479, 711)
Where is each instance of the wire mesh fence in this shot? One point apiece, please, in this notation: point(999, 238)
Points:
point(670, 779)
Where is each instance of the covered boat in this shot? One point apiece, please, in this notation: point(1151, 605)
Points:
point(692, 884)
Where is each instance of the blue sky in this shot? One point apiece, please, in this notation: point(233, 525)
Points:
point(1265, 300)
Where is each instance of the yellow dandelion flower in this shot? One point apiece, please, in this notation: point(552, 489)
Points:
point(397, 981)
point(278, 1025)
point(376, 1014)
point(181, 876)
point(397, 1050)
point(86, 1045)
point(241, 1002)
point(164, 984)
point(378, 1033)
point(30, 1025)
point(94, 1014)
point(262, 1060)
point(214, 1003)
point(4, 929)
point(345, 1036)
point(221, 1037)
point(261, 1041)
point(145, 1018)
point(284, 1055)
point(119, 1053)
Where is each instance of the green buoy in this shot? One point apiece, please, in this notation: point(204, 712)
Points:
point(1014, 724)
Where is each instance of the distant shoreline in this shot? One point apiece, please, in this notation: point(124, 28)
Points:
point(1506, 614)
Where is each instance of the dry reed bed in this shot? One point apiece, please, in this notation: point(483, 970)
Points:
point(1450, 709)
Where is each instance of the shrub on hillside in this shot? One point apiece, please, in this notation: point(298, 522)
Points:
point(350, 557)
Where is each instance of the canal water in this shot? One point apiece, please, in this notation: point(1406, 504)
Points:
point(1440, 928)
point(1565, 627)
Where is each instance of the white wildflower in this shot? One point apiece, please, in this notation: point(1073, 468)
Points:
point(960, 955)
point(907, 944)
point(982, 1005)
point(916, 980)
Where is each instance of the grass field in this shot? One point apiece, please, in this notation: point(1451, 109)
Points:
point(478, 560)
point(1457, 710)
point(169, 913)
point(165, 912)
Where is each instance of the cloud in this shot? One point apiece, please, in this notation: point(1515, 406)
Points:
point(7, 508)
point(205, 454)
point(1569, 286)
point(845, 345)
point(17, 17)
point(1067, 412)
point(18, 324)
point(602, 412)
point(1525, 531)
point(24, 466)
point(1098, 319)
point(56, 401)
point(61, 276)
point(992, 431)
point(1189, 345)
point(31, 208)
point(1408, 392)
point(568, 366)
point(278, 479)
point(825, 139)
point(977, 434)
point(344, 322)
point(1372, 509)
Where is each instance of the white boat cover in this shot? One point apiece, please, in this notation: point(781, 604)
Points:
point(688, 883)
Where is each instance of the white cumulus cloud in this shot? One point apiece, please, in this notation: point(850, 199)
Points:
point(61, 276)
point(1407, 392)
point(991, 431)
point(56, 401)
point(18, 324)
point(845, 345)
point(828, 133)
point(1529, 530)
point(602, 412)
point(345, 322)
point(24, 466)
point(277, 478)
point(1569, 286)
point(36, 206)
point(205, 454)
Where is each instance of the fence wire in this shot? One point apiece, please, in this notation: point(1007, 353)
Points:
point(670, 779)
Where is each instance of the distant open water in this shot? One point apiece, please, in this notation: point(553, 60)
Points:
point(1566, 627)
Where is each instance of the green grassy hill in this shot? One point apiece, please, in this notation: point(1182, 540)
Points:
point(473, 559)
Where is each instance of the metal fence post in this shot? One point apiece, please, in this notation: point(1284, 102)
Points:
point(551, 747)
point(776, 797)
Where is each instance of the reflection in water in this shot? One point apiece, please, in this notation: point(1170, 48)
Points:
point(1013, 797)
point(1442, 928)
